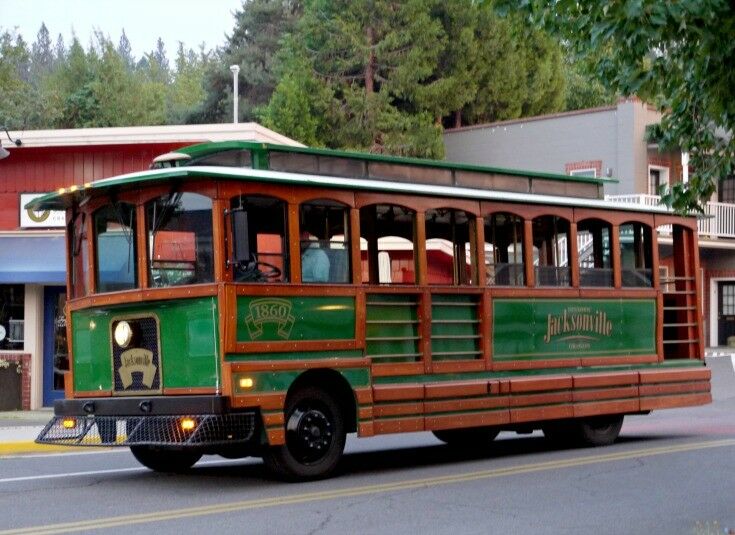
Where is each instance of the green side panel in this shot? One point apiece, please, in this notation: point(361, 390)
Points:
point(268, 319)
point(268, 382)
point(188, 330)
point(391, 331)
point(561, 328)
point(91, 350)
point(454, 328)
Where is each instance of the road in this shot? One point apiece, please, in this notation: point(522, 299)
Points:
point(670, 472)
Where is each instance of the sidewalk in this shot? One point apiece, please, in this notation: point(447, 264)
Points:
point(18, 430)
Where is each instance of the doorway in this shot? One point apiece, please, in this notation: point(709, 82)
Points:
point(725, 312)
point(55, 353)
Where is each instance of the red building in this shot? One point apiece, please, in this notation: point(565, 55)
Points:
point(32, 252)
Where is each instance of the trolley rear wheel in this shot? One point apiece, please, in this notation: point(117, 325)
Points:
point(162, 459)
point(473, 437)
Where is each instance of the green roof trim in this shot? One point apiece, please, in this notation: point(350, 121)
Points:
point(205, 149)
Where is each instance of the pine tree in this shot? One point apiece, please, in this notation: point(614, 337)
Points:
point(260, 27)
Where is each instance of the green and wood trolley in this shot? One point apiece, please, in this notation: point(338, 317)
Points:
point(247, 299)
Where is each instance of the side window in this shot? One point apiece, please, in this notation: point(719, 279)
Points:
point(115, 246)
point(387, 244)
point(551, 251)
point(449, 256)
point(179, 231)
point(504, 250)
point(595, 260)
point(636, 257)
point(325, 242)
point(260, 241)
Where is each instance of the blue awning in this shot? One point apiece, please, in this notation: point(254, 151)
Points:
point(32, 259)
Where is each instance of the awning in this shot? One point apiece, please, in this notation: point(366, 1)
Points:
point(32, 259)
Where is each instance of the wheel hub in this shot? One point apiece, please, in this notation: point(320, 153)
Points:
point(309, 434)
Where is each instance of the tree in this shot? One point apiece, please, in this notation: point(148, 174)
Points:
point(260, 27)
point(679, 56)
point(186, 91)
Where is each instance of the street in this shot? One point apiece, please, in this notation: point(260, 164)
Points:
point(670, 472)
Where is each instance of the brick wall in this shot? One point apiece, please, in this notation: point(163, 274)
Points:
point(25, 360)
point(587, 164)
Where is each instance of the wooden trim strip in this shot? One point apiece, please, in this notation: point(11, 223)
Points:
point(399, 425)
point(540, 399)
point(365, 429)
point(92, 394)
point(451, 421)
point(387, 370)
point(398, 392)
point(459, 405)
point(455, 366)
point(500, 365)
point(674, 388)
point(668, 376)
point(399, 409)
point(363, 395)
point(189, 391)
point(605, 393)
point(667, 402)
point(606, 407)
point(456, 389)
point(613, 361)
point(138, 295)
point(278, 346)
point(273, 419)
point(533, 414)
point(605, 379)
point(283, 365)
point(535, 384)
point(264, 401)
point(276, 436)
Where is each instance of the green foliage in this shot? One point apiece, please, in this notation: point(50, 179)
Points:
point(49, 86)
point(260, 27)
point(389, 74)
point(679, 56)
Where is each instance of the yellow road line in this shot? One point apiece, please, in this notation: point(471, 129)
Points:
point(175, 514)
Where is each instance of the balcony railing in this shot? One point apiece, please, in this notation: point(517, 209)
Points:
point(718, 220)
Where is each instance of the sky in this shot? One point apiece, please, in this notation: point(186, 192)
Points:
point(189, 21)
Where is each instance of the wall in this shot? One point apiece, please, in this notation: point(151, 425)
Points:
point(44, 169)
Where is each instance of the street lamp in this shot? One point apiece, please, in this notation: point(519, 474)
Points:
point(235, 70)
point(4, 152)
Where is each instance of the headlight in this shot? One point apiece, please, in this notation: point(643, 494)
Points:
point(123, 334)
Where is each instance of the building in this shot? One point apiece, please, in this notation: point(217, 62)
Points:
point(611, 142)
point(32, 246)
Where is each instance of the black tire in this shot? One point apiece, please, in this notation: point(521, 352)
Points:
point(600, 430)
point(473, 437)
point(163, 459)
point(593, 431)
point(315, 437)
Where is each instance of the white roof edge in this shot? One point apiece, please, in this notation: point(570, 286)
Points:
point(192, 133)
point(400, 187)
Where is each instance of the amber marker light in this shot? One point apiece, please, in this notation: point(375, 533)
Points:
point(69, 423)
point(246, 382)
point(188, 424)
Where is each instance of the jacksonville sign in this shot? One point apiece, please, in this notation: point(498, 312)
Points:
point(577, 323)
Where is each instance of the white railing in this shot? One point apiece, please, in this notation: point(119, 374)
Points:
point(718, 220)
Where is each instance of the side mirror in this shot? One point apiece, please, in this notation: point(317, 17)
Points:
point(240, 237)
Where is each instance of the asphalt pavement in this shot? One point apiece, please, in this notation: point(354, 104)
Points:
point(19, 429)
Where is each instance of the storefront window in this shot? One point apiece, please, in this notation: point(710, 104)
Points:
point(12, 299)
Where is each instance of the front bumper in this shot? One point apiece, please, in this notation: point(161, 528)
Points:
point(149, 421)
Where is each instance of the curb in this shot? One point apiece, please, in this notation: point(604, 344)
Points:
point(28, 446)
